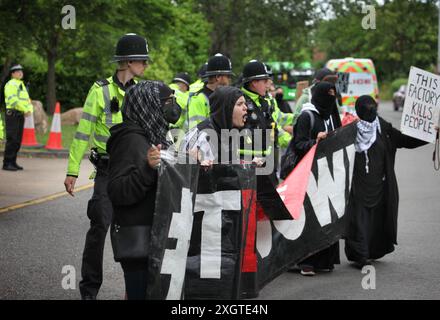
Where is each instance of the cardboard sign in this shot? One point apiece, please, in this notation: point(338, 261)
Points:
point(422, 105)
point(300, 86)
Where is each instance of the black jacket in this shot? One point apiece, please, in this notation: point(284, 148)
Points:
point(394, 139)
point(304, 137)
point(132, 182)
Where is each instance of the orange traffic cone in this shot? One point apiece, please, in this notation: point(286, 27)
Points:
point(29, 139)
point(54, 141)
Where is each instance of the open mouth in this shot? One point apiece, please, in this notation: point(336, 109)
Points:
point(245, 117)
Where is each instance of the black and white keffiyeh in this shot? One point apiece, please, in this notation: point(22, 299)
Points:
point(366, 136)
point(142, 106)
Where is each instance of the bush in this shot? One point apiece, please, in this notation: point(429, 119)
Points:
point(395, 85)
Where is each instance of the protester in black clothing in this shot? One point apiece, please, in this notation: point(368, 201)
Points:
point(282, 104)
point(324, 119)
point(374, 199)
point(134, 149)
point(228, 111)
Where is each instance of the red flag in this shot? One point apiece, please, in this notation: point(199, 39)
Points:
point(293, 190)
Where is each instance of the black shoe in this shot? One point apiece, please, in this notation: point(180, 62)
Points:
point(360, 264)
point(17, 166)
point(9, 167)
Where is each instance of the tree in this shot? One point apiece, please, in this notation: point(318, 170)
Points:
point(405, 35)
point(263, 29)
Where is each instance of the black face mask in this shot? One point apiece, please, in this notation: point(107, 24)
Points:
point(171, 110)
point(279, 96)
point(368, 113)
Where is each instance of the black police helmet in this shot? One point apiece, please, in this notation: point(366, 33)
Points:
point(255, 70)
point(182, 77)
point(219, 65)
point(202, 71)
point(131, 47)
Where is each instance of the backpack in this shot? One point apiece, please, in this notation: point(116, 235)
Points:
point(290, 158)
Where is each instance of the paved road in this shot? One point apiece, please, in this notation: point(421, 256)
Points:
point(41, 177)
point(38, 241)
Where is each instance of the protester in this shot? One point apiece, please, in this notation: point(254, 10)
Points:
point(228, 111)
point(323, 74)
point(134, 148)
point(322, 110)
point(374, 199)
point(102, 110)
point(18, 105)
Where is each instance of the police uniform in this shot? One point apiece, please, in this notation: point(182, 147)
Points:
point(182, 99)
point(102, 110)
point(17, 104)
point(199, 108)
point(2, 129)
point(199, 83)
point(264, 114)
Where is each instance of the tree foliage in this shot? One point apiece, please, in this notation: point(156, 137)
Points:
point(405, 35)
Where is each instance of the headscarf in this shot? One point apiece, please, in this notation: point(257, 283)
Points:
point(222, 103)
point(367, 126)
point(142, 106)
point(322, 100)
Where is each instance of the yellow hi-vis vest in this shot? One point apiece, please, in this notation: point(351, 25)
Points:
point(96, 121)
point(17, 96)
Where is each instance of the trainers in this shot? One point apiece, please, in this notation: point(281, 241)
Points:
point(307, 271)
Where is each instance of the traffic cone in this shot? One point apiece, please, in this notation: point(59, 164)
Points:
point(54, 141)
point(29, 140)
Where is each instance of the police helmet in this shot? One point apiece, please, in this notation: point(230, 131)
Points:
point(255, 70)
point(219, 65)
point(131, 47)
point(182, 77)
point(16, 67)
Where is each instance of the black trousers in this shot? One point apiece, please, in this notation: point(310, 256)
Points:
point(135, 277)
point(100, 213)
point(14, 121)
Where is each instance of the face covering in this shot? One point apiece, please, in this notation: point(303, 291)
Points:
point(324, 102)
point(171, 110)
point(279, 96)
point(366, 108)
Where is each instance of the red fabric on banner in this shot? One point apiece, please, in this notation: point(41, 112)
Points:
point(293, 190)
point(348, 118)
point(249, 263)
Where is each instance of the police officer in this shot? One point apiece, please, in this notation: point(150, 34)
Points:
point(2, 129)
point(102, 110)
point(18, 105)
point(180, 85)
point(263, 112)
point(200, 82)
point(219, 73)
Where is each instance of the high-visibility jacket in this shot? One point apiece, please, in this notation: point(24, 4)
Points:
point(196, 86)
point(96, 121)
point(278, 116)
point(2, 129)
point(198, 107)
point(17, 96)
point(182, 99)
